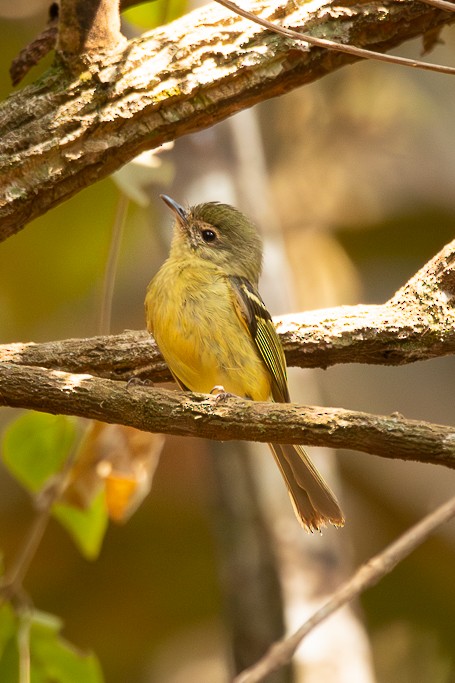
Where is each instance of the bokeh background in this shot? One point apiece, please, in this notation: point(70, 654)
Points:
point(352, 182)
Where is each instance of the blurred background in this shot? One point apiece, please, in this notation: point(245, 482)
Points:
point(351, 180)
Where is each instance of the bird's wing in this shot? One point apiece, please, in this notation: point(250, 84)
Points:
point(258, 321)
point(313, 501)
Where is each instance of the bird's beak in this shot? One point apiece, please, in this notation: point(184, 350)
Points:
point(179, 211)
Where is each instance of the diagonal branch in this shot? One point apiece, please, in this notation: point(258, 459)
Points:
point(418, 323)
point(187, 414)
point(441, 4)
point(368, 575)
point(176, 80)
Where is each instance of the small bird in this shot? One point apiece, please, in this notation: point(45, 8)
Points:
point(213, 329)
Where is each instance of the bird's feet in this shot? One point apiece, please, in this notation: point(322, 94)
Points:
point(220, 393)
point(137, 381)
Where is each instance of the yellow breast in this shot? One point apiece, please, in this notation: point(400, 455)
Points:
point(191, 314)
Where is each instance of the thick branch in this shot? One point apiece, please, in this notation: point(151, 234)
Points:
point(175, 412)
point(418, 323)
point(176, 80)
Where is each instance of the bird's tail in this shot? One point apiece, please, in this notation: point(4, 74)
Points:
point(314, 503)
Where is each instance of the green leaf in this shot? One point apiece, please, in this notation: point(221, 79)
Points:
point(54, 660)
point(35, 447)
point(87, 527)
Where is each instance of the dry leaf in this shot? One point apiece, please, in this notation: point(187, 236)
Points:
point(121, 459)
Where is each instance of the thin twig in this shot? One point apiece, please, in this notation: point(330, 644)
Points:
point(366, 576)
point(441, 4)
point(11, 584)
point(38, 48)
point(339, 47)
point(110, 272)
point(23, 644)
point(14, 577)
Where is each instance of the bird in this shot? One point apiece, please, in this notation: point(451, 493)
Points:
point(213, 329)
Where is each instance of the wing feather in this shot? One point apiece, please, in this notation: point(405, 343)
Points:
point(313, 501)
point(258, 321)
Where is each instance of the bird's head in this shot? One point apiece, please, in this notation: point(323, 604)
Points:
point(218, 233)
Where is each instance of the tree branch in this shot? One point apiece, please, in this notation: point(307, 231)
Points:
point(38, 48)
point(368, 575)
point(418, 323)
point(162, 86)
point(188, 414)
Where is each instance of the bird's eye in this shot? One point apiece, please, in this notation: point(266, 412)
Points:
point(208, 235)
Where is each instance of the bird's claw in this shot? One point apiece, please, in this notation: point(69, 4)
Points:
point(220, 393)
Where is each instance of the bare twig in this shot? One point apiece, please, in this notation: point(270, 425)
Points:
point(333, 45)
point(23, 644)
point(366, 576)
point(32, 53)
point(110, 271)
point(11, 583)
point(441, 4)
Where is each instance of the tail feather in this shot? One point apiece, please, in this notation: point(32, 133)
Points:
point(314, 503)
